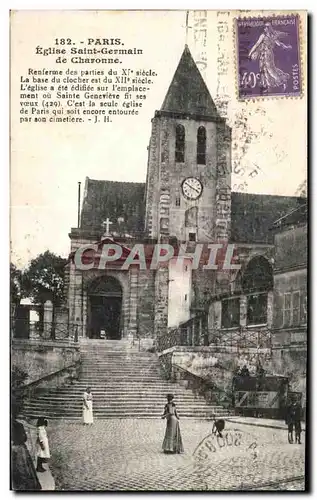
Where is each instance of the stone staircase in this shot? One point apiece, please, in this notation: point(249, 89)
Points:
point(125, 383)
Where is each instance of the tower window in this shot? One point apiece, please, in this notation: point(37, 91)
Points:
point(180, 144)
point(178, 201)
point(201, 146)
point(192, 236)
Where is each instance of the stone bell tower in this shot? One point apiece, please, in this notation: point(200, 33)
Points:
point(188, 193)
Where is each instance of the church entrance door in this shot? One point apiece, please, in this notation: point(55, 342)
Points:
point(105, 312)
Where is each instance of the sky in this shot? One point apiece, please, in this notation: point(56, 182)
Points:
point(48, 160)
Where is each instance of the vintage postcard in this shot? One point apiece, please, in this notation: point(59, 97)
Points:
point(158, 250)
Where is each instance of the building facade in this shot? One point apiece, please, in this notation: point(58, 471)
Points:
point(185, 200)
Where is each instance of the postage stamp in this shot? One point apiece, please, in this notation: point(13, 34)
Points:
point(268, 56)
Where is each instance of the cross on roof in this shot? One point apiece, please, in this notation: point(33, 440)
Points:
point(106, 224)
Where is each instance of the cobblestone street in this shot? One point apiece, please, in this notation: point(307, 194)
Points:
point(126, 455)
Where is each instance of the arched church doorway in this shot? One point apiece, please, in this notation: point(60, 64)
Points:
point(105, 309)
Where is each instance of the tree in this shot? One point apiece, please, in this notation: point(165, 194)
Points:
point(16, 285)
point(44, 278)
point(302, 189)
point(18, 379)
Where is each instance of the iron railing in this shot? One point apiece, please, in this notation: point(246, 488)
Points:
point(52, 330)
point(190, 333)
point(242, 338)
point(195, 332)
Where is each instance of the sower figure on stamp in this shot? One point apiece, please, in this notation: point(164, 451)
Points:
point(263, 50)
point(173, 440)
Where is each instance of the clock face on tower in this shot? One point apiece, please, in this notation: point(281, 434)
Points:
point(192, 188)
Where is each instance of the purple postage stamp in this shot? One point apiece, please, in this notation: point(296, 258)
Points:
point(268, 56)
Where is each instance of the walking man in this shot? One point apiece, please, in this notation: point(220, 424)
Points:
point(297, 422)
point(290, 420)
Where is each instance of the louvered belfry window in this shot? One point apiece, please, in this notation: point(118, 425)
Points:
point(180, 144)
point(201, 146)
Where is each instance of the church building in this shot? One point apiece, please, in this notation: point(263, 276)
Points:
point(186, 199)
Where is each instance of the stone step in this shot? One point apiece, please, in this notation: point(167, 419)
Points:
point(120, 408)
point(124, 365)
point(43, 407)
point(125, 383)
point(144, 380)
point(119, 396)
point(120, 365)
point(77, 417)
point(104, 376)
point(125, 392)
point(118, 411)
point(116, 352)
point(117, 370)
point(108, 377)
point(139, 370)
point(118, 415)
point(123, 362)
point(102, 355)
point(115, 397)
point(128, 387)
point(117, 401)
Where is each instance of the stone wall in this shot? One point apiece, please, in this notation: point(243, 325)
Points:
point(199, 360)
point(40, 359)
point(292, 363)
point(291, 248)
point(223, 196)
point(151, 219)
point(218, 364)
point(146, 301)
point(179, 293)
point(290, 282)
point(161, 301)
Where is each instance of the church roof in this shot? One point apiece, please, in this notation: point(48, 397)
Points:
point(188, 93)
point(252, 215)
point(122, 202)
point(295, 217)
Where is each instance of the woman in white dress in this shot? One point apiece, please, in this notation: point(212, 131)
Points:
point(42, 446)
point(87, 407)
